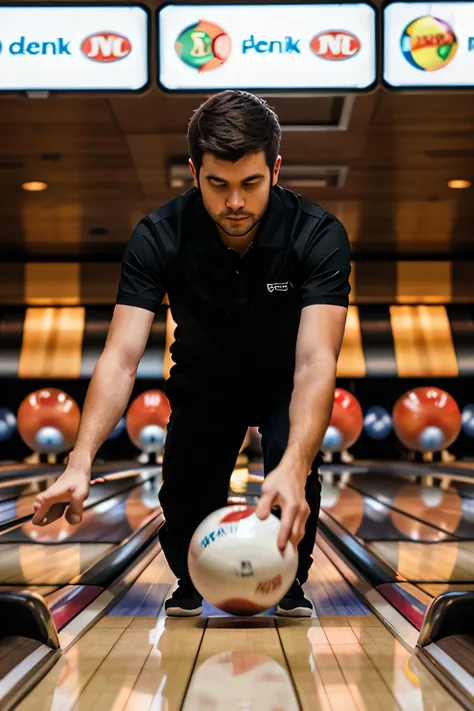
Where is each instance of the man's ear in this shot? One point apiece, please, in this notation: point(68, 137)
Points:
point(276, 171)
point(192, 168)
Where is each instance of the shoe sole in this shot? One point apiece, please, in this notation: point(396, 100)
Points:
point(295, 612)
point(179, 612)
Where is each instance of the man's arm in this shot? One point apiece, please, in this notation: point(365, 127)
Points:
point(107, 397)
point(112, 382)
point(319, 342)
point(140, 292)
point(324, 300)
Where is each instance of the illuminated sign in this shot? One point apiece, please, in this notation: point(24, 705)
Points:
point(428, 45)
point(72, 48)
point(326, 47)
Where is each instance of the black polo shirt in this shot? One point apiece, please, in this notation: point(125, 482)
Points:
point(237, 317)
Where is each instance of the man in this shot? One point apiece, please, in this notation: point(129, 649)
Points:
point(258, 282)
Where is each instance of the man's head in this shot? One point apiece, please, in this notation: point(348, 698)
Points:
point(234, 143)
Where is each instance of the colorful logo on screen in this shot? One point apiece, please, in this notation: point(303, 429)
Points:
point(203, 46)
point(335, 46)
point(106, 47)
point(428, 43)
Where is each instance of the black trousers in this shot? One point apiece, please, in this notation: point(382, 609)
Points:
point(202, 445)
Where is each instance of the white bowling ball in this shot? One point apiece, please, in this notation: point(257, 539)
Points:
point(235, 563)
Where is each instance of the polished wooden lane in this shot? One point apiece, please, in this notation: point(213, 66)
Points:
point(126, 662)
point(431, 505)
point(36, 564)
point(355, 664)
point(136, 659)
point(426, 562)
point(241, 665)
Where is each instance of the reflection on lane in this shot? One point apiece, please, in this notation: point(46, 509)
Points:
point(241, 679)
point(36, 564)
point(17, 502)
point(355, 663)
point(447, 510)
point(369, 519)
point(109, 521)
point(418, 562)
point(415, 550)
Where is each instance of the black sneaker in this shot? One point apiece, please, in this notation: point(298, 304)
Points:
point(185, 601)
point(295, 603)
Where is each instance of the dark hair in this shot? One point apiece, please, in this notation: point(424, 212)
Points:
point(232, 124)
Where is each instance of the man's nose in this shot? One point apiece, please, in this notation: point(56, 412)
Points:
point(235, 201)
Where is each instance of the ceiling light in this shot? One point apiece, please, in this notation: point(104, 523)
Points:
point(459, 184)
point(34, 186)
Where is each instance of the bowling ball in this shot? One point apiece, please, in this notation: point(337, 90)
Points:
point(118, 429)
point(346, 422)
point(48, 420)
point(235, 564)
point(147, 419)
point(377, 422)
point(7, 424)
point(467, 419)
point(426, 419)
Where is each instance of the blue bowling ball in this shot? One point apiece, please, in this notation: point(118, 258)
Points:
point(152, 438)
point(118, 430)
point(7, 424)
point(332, 441)
point(467, 419)
point(49, 440)
point(377, 422)
point(432, 439)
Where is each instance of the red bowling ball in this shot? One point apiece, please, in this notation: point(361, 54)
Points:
point(48, 421)
point(147, 419)
point(346, 422)
point(426, 419)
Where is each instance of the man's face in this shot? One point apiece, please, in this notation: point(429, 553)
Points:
point(236, 195)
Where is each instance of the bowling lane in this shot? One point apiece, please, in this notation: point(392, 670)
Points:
point(451, 562)
point(38, 565)
point(443, 561)
point(354, 664)
point(415, 569)
point(46, 560)
point(135, 659)
point(359, 514)
point(20, 470)
point(113, 511)
point(421, 553)
point(370, 519)
point(16, 502)
point(446, 510)
point(241, 664)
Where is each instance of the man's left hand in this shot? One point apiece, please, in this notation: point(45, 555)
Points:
point(285, 487)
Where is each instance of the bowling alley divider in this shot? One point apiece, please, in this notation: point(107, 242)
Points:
point(401, 341)
point(372, 282)
point(349, 47)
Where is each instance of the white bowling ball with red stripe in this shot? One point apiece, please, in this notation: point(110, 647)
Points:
point(235, 564)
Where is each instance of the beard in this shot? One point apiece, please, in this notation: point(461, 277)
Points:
point(238, 228)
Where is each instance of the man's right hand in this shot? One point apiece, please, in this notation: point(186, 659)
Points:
point(67, 494)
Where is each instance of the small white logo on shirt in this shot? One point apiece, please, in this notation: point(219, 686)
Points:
point(279, 286)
